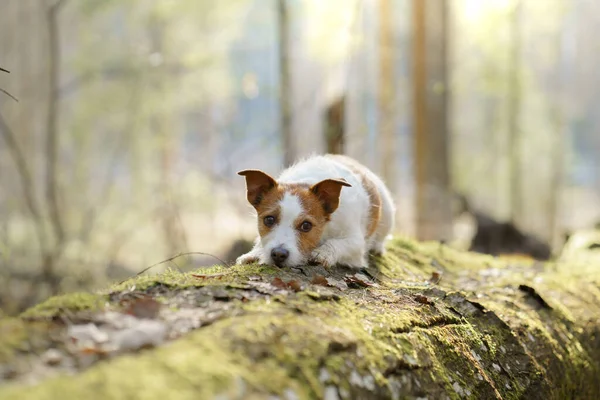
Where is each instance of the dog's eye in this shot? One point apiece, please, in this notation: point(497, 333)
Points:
point(269, 221)
point(306, 226)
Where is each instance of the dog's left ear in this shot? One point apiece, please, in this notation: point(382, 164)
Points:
point(328, 192)
point(257, 184)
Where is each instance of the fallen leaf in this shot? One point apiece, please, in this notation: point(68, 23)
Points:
point(278, 283)
point(143, 308)
point(319, 280)
point(337, 283)
point(294, 285)
point(422, 299)
point(358, 279)
point(291, 285)
point(92, 350)
point(436, 277)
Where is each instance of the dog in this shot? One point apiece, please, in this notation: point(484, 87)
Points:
point(326, 209)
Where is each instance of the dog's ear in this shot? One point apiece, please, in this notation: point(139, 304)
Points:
point(328, 192)
point(257, 184)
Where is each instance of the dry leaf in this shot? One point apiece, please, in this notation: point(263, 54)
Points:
point(358, 279)
point(337, 283)
point(319, 280)
point(294, 285)
point(143, 308)
point(278, 283)
point(291, 285)
point(422, 299)
point(436, 277)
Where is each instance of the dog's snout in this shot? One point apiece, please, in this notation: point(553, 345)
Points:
point(279, 255)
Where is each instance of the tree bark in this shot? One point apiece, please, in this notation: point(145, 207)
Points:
point(489, 329)
point(51, 256)
point(430, 107)
point(387, 84)
point(52, 128)
point(335, 126)
point(514, 109)
point(285, 83)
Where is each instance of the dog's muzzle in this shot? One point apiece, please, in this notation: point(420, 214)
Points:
point(279, 255)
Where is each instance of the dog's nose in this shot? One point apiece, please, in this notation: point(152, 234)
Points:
point(279, 255)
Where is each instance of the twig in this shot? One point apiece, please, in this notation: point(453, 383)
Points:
point(174, 257)
point(9, 95)
point(4, 91)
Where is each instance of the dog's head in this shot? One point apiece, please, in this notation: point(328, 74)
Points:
point(291, 216)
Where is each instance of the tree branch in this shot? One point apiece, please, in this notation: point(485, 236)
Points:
point(25, 177)
point(173, 258)
point(9, 95)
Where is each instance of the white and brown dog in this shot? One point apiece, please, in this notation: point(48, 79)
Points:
point(305, 216)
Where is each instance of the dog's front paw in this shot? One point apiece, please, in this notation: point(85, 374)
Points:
point(247, 258)
point(323, 255)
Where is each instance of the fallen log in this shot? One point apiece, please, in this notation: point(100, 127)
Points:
point(425, 321)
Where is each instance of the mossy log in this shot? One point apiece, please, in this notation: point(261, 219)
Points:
point(425, 321)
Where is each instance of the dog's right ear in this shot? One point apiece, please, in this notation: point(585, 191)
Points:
point(257, 185)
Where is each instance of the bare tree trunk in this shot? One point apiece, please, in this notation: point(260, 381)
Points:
point(431, 135)
point(556, 181)
point(514, 109)
point(52, 145)
point(334, 126)
point(386, 93)
point(489, 331)
point(52, 129)
point(290, 150)
point(173, 230)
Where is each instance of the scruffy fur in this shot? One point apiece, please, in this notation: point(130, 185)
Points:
point(348, 208)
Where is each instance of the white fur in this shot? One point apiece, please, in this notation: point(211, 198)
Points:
point(285, 233)
point(344, 239)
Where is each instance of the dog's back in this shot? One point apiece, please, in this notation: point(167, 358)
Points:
point(367, 205)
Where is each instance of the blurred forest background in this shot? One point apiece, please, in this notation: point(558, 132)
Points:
point(133, 117)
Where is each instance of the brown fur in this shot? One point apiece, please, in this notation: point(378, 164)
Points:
point(257, 184)
point(369, 186)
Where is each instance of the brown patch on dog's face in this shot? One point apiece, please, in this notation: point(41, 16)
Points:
point(269, 207)
point(319, 202)
point(314, 214)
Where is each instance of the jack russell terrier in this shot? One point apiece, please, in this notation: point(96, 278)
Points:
point(325, 209)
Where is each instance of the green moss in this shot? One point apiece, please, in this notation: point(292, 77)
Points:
point(197, 366)
point(385, 334)
point(215, 275)
point(71, 302)
point(12, 335)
